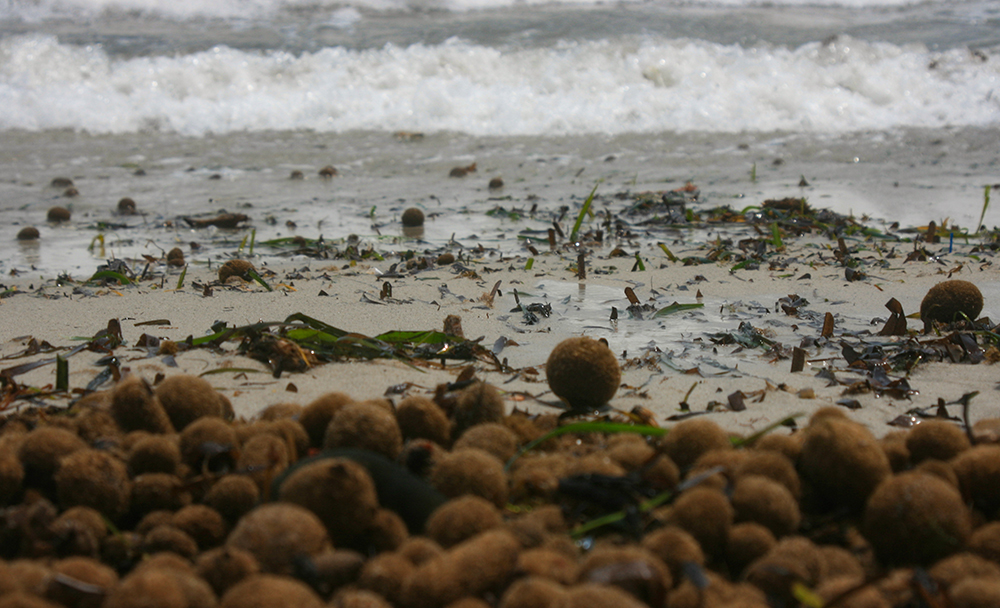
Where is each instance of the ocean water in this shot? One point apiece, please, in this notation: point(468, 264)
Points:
point(886, 107)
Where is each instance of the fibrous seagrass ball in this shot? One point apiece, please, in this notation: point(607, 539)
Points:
point(147, 587)
point(155, 454)
point(982, 592)
point(633, 569)
point(175, 257)
point(270, 591)
point(477, 566)
point(675, 547)
point(136, 408)
point(421, 418)
point(951, 301)
point(317, 414)
point(126, 206)
point(167, 538)
point(706, 514)
point(366, 426)
point(233, 496)
point(689, 439)
point(64, 589)
point(478, 403)
point(58, 214)
point(28, 233)
point(225, 566)
point(264, 456)
point(470, 471)
point(842, 461)
point(96, 479)
point(42, 450)
point(202, 523)
point(767, 502)
point(748, 541)
point(234, 268)
point(157, 492)
point(385, 574)
point(187, 398)
point(914, 518)
point(978, 471)
point(936, 439)
point(340, 492)
point(276, 533)
point(491, 437)
point(462, 518)
point(209, 443)
point(583, 372)
point(413, 217)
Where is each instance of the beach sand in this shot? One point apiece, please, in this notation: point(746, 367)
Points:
point(665, 361)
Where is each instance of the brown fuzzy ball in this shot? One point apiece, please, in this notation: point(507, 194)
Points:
point(359, 598)
point(65, 590)
point(136, 408)
point(793, 559)
point(235, 268)
point(583, 372)
point(96, 423)
point(950, 300)
point(202, 523)
point(748, 542)
point(336, 569)
point(28, 233)
point(537, 475)
point(960, 566)
point(277, 411)
point(461, 518)
point(265, 456)
point(420, 418)
point(707, 515)
point(534, 592)
point(126, 206)
point(187, 398)
point(270, 591)
point(175, 257)
point(479, 565)
point(160, 587)
point(936, 439)
point(93, 478)
point(633, 569)
point(223, 567)
point(157, 492)
point(765, 501)
point(842, 461)
point(591, 595)
point(978, 471)
point(385, 575)
point(316, 416)
point(975, 593)
point(386, 532)
point(915, 518)
point(83, 517)
point(413, 217)
point(491, 437)
point(471, 471)
point(276, 533)
point(42, 450)
point(419, 549)
point(58, 214)
point(11, 476)
point(340, 492)
point(233, 496)
point(790, 446)
point(209, 444)
point(688, 440)
point(549, 564)
point(19, 599)
point(674, 547)
point(366, 426)
point(290, 431)
point(155, 454)
point(477, 404)
point(985, 541)
point(169, 538)
point(773, 465)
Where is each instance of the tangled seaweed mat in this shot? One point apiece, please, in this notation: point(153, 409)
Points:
point(144, 496)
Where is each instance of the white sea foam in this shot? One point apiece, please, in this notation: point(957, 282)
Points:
point(638, 85)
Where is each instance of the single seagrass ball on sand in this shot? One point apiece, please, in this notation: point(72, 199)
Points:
point(950, 300)
point(234, 268)
point(413, 217)
point(28, 233)
point(583, 372)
